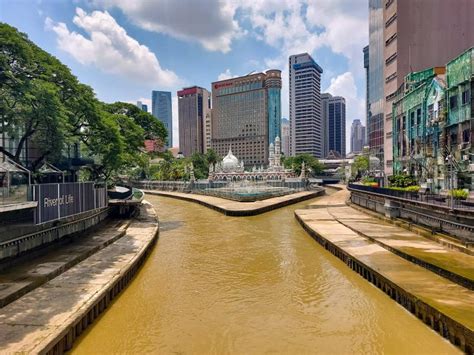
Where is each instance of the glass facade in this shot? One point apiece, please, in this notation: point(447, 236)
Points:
point(274, 113)
point(161, 109)
point(375, 97)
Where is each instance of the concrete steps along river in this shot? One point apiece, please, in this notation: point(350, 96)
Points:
point(431, 281)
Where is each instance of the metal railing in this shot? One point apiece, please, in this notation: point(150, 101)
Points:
point(428, 198)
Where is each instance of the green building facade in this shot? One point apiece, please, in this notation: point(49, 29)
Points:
point(433, 125)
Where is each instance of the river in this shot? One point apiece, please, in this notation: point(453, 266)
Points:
point(250, 285)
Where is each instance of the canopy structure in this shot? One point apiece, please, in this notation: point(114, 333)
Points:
point(50, 169)
point(7, 169)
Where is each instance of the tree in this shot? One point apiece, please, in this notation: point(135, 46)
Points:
point(212, 157)
point(312, 164)
point(360, 165)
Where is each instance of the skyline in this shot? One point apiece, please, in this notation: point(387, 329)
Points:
point(124, 52)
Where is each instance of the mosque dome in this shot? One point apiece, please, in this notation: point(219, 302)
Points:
point(230, 162)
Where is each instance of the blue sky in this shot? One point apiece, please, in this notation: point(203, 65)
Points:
point(124, 48)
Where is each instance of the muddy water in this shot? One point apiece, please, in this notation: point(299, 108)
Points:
point(217, 284)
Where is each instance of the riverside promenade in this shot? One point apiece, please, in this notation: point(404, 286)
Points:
point(49, 318)
point(240, 209)
point(423, 276)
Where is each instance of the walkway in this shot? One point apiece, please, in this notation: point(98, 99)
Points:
point(450, 263)
point(57, 312)
point(30, 272)
point(238, 209)
point(367, 240)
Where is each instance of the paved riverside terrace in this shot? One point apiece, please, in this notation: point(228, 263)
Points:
point(31, 272)
point(235, 208)
point(455, 265)
point(57, 311)
point(344, 227)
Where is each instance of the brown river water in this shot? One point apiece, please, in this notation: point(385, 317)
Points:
point(250, 285)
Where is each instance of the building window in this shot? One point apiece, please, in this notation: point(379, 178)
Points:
point(388, 3)
point(453, 102)
point(391, 58)
point(391, 96)
point(391, 20)
point(391, 39)
point(465, 97)
point(391, 77)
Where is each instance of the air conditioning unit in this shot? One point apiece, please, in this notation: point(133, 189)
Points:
point(465, 157)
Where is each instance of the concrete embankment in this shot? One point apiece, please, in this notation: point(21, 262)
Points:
point(445, 306)
point(49, 318)
point(240, 209)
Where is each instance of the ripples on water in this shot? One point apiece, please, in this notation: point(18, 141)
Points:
point(217, 284)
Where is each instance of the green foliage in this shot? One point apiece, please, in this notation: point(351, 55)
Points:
point(401, 180)
point(312, 164)
point(412, 188)
point(43, 104)
point(360, 165)
point(459, 194)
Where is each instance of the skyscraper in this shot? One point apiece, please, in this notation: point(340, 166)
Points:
point(161, 109)
point(334, 122)
point(142, 106)
point(357, 136)
point(374, 67)
point(246, 115)
point(306, 126)
point(366, 66)
point(194, 109)
point(285, 136)
point(418, 35)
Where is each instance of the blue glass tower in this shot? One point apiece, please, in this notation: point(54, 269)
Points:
point(161, 109)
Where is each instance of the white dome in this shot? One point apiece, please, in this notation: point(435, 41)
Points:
point(230, 162)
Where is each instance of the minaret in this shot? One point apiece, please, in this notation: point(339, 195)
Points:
point(277, 152)
point(271, 157)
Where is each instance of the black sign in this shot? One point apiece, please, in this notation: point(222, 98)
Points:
point(56, 201)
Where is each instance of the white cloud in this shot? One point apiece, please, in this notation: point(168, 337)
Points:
point(110, 49)
point(226, 75)
point(344, 85)
point(209, 22)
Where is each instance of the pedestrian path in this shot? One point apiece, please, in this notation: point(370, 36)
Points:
point(31, 272)
point(356, 236)
point(449, 263)
point(51, 317)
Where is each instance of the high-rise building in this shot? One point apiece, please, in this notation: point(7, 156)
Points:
point(142, 106)
point(357, 136)
point(246, 115)
point(285, 136)
point(418, 35)
point(334, 122)
point(194, 112)
point(306, 126)
point(374, 67)
point(366, 67)
point(161, 109)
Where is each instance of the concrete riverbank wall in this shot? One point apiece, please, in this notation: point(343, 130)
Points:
point(460, 333)
point(32, 324)
point(36, 237)
point(241, 209)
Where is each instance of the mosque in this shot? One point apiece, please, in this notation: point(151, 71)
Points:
point(231, 169)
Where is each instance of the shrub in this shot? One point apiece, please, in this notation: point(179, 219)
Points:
point(401, 180)
point(459, 194)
